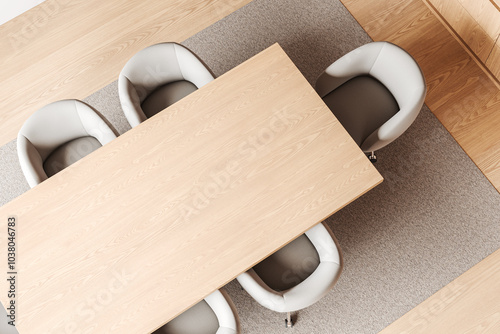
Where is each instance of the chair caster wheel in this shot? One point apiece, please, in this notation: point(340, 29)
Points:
point(372, 157)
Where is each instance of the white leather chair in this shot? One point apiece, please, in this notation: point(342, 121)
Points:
point(158, 76)
point(298, 275)
point(376, 91)
point(213, 315)
point(58, 135)
point(5, 328)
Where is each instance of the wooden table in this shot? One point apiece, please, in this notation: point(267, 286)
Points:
point(66, 49)
point(143, 228)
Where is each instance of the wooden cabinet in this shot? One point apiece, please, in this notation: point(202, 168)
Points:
point(476, 24)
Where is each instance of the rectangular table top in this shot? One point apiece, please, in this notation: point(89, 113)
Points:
point(138, 231)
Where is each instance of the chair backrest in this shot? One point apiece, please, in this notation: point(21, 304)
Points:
point(215, 314)
point(52, 126)
point(153, 67)
point(225, 311)
point(310, 290)
point(395, 69)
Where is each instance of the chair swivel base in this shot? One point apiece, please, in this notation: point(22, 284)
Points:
point(288, 320)
point(372, 157)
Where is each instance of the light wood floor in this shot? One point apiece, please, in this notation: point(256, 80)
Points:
point(467, 102)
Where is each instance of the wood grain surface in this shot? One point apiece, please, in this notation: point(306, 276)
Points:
point(466, 26)
point(143, 228)
point(475, 24)
point(481, 137)
point(493, 62)
point(463, 306)
point(467, 103)
point(485, 13)
point(69, 49)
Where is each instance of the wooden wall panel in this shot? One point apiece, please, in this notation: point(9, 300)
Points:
point(486, 15)
point(465, 26)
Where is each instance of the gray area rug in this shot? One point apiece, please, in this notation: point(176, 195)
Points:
point(433, 217)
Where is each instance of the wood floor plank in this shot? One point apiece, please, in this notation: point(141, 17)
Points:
point(481, 139)
point(54, 52)
point(461, 107)
point(375, 17)
point(471, 114)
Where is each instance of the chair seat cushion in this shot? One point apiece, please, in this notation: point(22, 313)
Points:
point(68, 153)
point(166, 95)
point(290, 265)
point(362, 105)
point(199, 319)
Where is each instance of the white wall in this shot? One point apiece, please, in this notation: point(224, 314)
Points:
point(12, 8)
